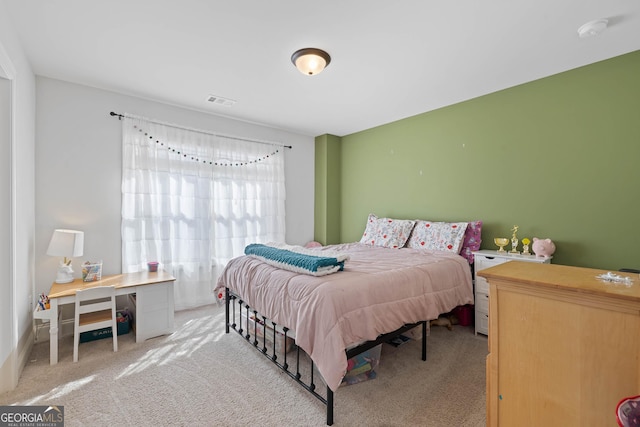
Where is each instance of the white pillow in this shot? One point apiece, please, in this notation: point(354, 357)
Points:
point(387, 232)
point(438, 236)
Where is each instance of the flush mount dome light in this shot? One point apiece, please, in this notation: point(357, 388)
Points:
point(310, 61)
point(593, 28)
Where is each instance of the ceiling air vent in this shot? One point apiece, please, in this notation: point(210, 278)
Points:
point(218, 100)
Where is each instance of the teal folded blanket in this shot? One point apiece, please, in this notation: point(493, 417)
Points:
point(297, 258)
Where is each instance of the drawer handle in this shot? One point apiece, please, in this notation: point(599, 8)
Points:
point(486, 296)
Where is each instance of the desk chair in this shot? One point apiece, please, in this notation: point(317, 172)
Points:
point(95, 309)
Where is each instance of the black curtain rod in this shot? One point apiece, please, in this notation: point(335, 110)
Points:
point(120, 116)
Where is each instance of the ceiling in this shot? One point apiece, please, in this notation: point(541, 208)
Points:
point(390, 59)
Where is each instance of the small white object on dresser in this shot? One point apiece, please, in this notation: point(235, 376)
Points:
point(488, 258)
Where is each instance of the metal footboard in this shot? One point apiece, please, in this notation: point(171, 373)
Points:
point(240, 320)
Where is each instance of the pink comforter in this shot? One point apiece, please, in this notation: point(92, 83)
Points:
point(379, 290)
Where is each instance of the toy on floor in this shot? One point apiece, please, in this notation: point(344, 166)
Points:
point(447, 320)
point(362, 367)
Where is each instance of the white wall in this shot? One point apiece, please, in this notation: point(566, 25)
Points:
point(6, 207)
point(16, 232)
point(79, 162)
point(71, 176)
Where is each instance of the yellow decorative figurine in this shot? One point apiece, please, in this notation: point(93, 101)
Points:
point(525, 246)
point(514, 240)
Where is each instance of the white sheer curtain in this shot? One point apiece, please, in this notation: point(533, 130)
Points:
point(192, 201)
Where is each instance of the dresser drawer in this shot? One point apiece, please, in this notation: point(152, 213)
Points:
point(482, 323)
point(482, 285)
point(482, 262)
point(482, 302)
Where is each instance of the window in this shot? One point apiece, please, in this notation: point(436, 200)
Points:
point(192, 200)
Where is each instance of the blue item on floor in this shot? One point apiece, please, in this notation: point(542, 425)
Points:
point(124, 325)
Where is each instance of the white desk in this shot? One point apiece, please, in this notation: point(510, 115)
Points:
point(151, 296)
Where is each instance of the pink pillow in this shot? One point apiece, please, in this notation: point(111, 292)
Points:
point(472, 240)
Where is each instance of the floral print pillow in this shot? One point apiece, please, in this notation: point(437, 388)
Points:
point(370, 230)
point(386, 232)
point(438, 236)
point(472, 240)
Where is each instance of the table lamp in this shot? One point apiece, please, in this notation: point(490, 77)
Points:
point(67, 244)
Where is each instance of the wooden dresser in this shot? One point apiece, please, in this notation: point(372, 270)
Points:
point(564, 347)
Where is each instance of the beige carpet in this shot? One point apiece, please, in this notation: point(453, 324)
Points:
point(199, 376)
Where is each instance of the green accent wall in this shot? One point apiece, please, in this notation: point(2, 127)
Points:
point(327, 190)
point(559, 157)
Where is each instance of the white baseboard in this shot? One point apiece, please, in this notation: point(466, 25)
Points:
point(12, 367)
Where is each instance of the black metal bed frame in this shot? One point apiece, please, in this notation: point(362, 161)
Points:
point(272, 354)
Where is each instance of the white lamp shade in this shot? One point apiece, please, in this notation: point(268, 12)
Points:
point(66, 243)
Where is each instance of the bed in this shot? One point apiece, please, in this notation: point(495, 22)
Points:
point(384, 289)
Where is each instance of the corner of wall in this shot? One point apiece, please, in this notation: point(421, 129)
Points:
point(327, 189)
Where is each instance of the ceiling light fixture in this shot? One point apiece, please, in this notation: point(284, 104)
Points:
point(310, 61)
point(593, 28)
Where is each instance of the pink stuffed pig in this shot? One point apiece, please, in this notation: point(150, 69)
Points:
point(543, 247)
